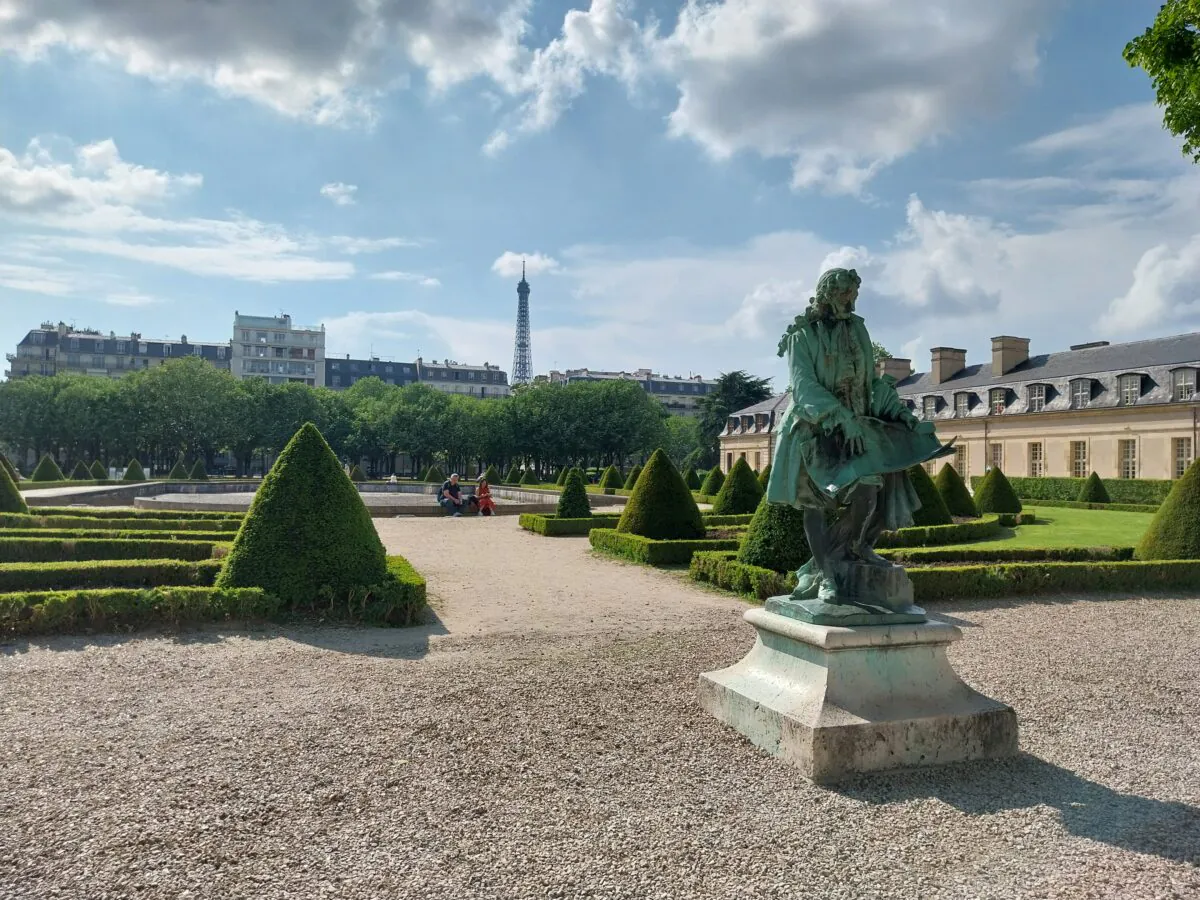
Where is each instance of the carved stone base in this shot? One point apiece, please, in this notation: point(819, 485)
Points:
point(866, 595)
point(835, 702)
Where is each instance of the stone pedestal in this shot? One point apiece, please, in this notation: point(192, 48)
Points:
point(835, 701)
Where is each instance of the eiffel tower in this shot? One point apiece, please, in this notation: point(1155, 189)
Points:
point(522, 367)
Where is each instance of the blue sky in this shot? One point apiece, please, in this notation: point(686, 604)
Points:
point(676, 175)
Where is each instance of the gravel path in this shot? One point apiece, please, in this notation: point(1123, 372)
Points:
point(544, 741)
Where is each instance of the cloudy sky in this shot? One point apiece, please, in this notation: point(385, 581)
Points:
point(676, 176)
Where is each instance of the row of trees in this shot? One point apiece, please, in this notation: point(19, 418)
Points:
point(192, 409)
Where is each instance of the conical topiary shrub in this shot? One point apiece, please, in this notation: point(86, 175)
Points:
point(764, 476)
point(198, 473)
point(631, 480)
point(1174, 532)
point(954, 492)
point(492, 475)
point(47, 470)
point(6, 464)
point(178, 472)
point(740, 493)
point(775, 539)
point(713, 482)
point(573, 501)
point(530, 477)
point(356, 474)
point(562, 477)
point(421, 475)
point(99, 473)
point(81, 472)
point(134, 472)
point(996, 495)
point(932, 510)
point(1093, 491)
point(611, 479)
point(11, 500)
point(513, 476)
point(692, 480)
point(307, 538)
point(434, 475)
point(661, 506)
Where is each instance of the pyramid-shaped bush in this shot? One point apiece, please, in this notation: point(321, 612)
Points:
point(611, 479)
point(661, 506)
point(134, 471)
point(434, 475)
point(99, 473)
point(631, 479)
point(1174, 532)
point(995, 494)
point(307, 537)
point(562, 476)
point(492, 475)
point(11, 500)
point(775, 539)
point(514, 475)
point(740, 493)
point(713, 482)
point(47, 470)
point(178, 472)
point(1093, 491)
point(932, 510)
point(954, 492)
point(530, 477)
point(692, 480)
point(764, 476)
point(357, 474)
point(8, 467)
point(573, 501)
point(199, 472)
point(81, 472)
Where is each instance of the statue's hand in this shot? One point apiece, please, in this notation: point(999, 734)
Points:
point(853, 435)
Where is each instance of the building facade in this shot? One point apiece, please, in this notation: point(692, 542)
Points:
point(55, 349)
point(456, 378)
point(1121, 410)
point(680, 396)
point(272, 348)
point(342, 373)
point(750, 434)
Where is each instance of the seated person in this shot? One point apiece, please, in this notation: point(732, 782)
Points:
point(483, 499)
point(450, 496)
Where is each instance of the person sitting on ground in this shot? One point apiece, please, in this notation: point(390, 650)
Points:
point(450, 496)
point(392, 478)
point(483, 499)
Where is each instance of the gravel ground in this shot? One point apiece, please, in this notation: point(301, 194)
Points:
point(562, 753)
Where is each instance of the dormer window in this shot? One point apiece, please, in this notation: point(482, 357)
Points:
point(929, 407)
point(997, 401)
point(1183, 384)
point(1037, 397)
point(1131, 389)
point(1081, 393)
point(962, 404)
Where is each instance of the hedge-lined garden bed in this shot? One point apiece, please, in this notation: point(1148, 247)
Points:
point(1120, 490)
point(132, 523)
point(40, 549)
point(126, 573)
point(549, 525)
point(79, 534)
point(927, 555)
point(639, 549)
point(1110, 507)
point(95, 512)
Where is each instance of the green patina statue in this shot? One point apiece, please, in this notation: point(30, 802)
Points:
point(845, 442)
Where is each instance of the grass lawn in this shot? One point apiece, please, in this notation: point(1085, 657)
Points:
point(1073, 528)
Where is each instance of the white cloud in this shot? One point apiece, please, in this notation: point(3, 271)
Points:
point(354, 246)
point(509, 264)
point(1165, 288)
point(132, 299)
point(339, 193)
point(414, 277)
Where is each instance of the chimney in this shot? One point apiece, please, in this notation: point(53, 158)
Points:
point(896, 368)
point(947, 362)
point(1007, 353)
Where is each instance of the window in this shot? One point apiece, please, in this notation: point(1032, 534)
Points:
point(99, 348)
point(166, 349)
point(929, 407)
point(1079, 459)
point(336, 381)
point(120, 346)
point(142, 348)
point(1037, 460)
point(280, 337)
point(1183, 384)
point(1037, 397)
point(1127, 454)
point(997, 401)
point(728, 461)
point(280, 353)
point(97, 362)
point(260, 337)
point(758, 460)
point(1131, 389)
point(1081, 393)
point(1182, 452)
point(220, 353)
point(960, 460)
point(120, 362)
point(962, 405)
point(74, 343)
point(996, 456)
point(388, 369)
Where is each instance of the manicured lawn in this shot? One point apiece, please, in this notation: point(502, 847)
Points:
point(1073, 528)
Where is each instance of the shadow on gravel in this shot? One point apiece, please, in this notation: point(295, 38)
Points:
point(1089, 810)
point(385, 643)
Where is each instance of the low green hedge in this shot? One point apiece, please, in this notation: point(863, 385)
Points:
point(33, 520)
point(721, 568)
point(82, 534)
point(984, 553)
point(55, 576)
point(1120, 490)
point(650, 552)
point(1111, 507)
point(552, 526)
point(398, 601)
point(932, 535)
point(712, 521)
point(27, 485)
point(92, 512)
point(66, 612)
point(38, 549)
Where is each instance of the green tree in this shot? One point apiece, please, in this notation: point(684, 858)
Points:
point(740, 494)
point(1169, 52)
point(11, 500)
point(573, 502)
point(1093, 491)
point(683, 439)
point(879, 351)
point(775, 539)
point(733, 391)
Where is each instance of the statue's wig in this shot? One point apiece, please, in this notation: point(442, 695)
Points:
point(830, 284)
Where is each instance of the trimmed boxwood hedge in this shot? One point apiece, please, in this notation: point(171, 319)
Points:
point(953, 489)
point(55, 576)
point(28, 613)
point(740, 493)
point(648, 551)
point(39, 549)
point(996, 495)
point(98, 472)
point(134, 472)
point(1121, 490)
point(632, 478)
point(661, 507)
point(35, 520)
point(612, 478)
point(1093, 491)
point(513, 476)
point(692, 480)
point(81, 472)
point(764, 477)
point(530, 478)
point(93, 512)
point(7, 466)
point(711, 485)
point(958, 533)
point(198, 472)
point(492, 476)
point(178, 472)
point(573, 501)
point(433, 475)
point(927, 555)
point(357, 475)
point(11, 500)
point(775, 539)
point(552, 526)
point(1111, 507)
point(1174, 532)
point(47, 470)
point(722, 569)
point(81, 534)
point(932, 510)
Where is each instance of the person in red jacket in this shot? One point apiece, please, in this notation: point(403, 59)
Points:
point(483, 498)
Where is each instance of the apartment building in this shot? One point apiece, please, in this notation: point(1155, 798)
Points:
point(271, 347)
point(681, 396)
point(57, 348)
